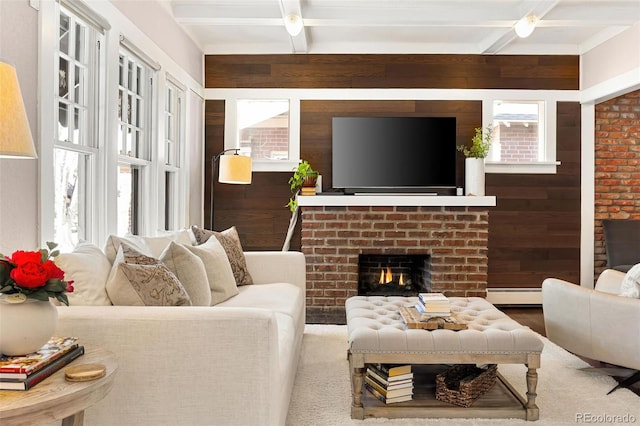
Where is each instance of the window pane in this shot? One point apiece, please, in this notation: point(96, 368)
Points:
point(63, 122)
point(70, 174)
point(169, 201)
point(64, 33)
point(63, 78)
point(517, 135)
point(127, 202)
point(263, 127)
point(80, 43)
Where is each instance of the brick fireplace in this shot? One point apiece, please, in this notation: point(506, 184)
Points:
point(333, 237)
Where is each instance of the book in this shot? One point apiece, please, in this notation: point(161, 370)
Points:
point(388, 393)
point(40, 375)
point(385, 379)
point(384, 399)
point(21, 366)
point(424, 314)
point(434, 302)
point(394, 369)
point(389, 386)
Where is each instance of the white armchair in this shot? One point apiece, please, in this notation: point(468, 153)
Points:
point(594, 323)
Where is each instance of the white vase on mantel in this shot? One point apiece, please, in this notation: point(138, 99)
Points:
point(474, 176)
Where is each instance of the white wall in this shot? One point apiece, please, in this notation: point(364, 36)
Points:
point(19, 178)
point(19, 45)
point(156, 22)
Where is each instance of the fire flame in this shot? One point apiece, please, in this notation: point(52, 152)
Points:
point(385, 276)
point(401, 282)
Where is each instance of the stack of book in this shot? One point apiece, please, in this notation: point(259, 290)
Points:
point(22, 372)
point(433, 305)
point(389, 383)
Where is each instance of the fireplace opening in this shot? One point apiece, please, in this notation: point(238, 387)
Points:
point(393, 274)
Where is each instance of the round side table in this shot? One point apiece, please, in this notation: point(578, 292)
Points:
point(56, 398)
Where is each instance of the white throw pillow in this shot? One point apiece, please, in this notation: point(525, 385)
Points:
point(630, 286)
point(219, 274)
point(190, 271)
point(139, 280)
point(149, 246)
point(89, 269)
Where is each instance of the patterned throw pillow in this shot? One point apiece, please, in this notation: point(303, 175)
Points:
point(630, 286)
point(231, 243)
point(140, 280)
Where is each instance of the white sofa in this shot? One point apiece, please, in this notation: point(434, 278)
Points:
point(594, 323)
point(229, 364)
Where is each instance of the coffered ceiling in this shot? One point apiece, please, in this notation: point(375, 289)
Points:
point(403, 26)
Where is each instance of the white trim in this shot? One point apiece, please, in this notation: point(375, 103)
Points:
point(514, 296)
point(587, 194)
point(609, 89)
point(396, 200)
point(394, 94)
point(541, 167)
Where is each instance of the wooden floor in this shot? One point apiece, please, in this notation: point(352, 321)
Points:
point(533, 318)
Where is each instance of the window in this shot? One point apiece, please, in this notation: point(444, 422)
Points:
point(521, 140)
point(135, 84)
point(268, 130)
point(173, 153)
point(76, 146)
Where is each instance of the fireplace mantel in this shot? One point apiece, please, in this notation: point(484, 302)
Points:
point(396, 200)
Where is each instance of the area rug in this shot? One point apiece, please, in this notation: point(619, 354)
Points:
point(566, 395)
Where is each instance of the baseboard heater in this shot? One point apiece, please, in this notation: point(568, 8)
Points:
point(515, 296)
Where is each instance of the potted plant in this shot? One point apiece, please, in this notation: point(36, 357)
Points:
point(303, 177)
point(474, 161)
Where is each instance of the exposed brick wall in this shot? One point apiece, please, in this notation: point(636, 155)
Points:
point(333, 237)
point(617, 166)
point(518, 142)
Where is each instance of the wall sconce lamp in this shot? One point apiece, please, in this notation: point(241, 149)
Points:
point(293, 23)
point(234, 169)
point(525, 26)
point(15, 135)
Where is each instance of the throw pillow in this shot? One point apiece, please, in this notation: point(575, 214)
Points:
point(630, 286)
point(231, 242)
point(150, 246)
point(219, 273)
point(88, 267)
point(190, 271)
point(140, 280)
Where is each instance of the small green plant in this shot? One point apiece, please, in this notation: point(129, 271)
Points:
point(300, 173)
point(480, 144)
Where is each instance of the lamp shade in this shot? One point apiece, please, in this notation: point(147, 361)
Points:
point(15, 135)
point(235, 169)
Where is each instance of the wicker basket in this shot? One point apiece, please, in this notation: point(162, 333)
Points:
point(464, 383)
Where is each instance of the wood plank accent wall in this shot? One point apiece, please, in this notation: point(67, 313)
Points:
point(393, 71)
point(534, 230)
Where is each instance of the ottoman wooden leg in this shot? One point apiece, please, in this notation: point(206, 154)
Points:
point(532, 383)
point(357, 377)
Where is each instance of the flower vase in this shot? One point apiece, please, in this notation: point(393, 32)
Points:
point(27, 326)
point(474, 176)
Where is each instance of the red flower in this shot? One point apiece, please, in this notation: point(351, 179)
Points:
point(29, 271)
point(52, 270)
point(70, 287)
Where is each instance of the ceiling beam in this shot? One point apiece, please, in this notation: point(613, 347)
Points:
point(299, 42)
point(500, 39)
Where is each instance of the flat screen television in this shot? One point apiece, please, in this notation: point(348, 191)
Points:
point(394, 154)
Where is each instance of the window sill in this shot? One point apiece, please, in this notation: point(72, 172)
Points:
point(547, 167)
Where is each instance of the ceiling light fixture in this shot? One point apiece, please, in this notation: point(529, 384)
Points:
point(525, 26)
point(293, 23)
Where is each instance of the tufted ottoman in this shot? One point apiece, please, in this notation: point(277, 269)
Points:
point(377, 334)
